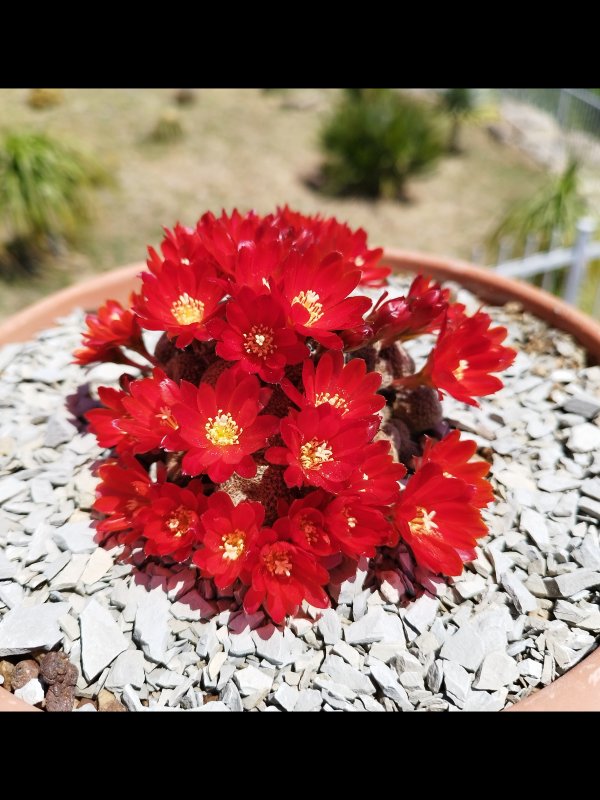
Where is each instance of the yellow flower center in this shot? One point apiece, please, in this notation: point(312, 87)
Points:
point(185, 262)
point(278, 562)
point(459, 372)
point(259, 341)
point(315, 453)
point(234, 544)
point(310, 301)
point(179, 522)
point(422, 523)
point(309, 529)
point(187, 310)
point(333, 399)
point(166, 418)
point(223, 429)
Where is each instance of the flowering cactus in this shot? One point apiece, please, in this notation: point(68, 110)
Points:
point(279, 431)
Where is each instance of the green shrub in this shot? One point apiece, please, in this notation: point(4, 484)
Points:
point(45, 187)
point(459, 105)
point(375, 140)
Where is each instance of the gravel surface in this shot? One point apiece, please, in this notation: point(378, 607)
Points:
point(525, 611)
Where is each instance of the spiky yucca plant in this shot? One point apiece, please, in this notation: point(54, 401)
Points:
point(556, 206)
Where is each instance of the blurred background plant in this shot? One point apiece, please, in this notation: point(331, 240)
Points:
point(168, 128)
point(44, 98)
point(376, 139)
point(46, 189)
point(459, 105)
point(550, 214)
point(185, 97)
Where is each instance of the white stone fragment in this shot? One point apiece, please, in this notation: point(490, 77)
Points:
point(97, 566)
point(570, 583)
point(251, 680)
point(330, 626)
point(421, 613)
point(457, 682)
point(27, 628)
point(286, 696)
point(498, 670)
point(387, 680)
point(519, 594)
point(151, 629)
point(584, 438)
point(101, 639)
point(128, 668)
point(465, 648)
point(32, 692)
point(78, 537)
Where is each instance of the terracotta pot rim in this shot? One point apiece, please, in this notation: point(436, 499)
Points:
point(577, 690)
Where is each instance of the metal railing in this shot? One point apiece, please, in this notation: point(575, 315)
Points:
point(574, 259)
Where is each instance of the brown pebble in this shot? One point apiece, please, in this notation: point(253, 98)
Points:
point(60, 697)
point(56, 668)
point(6, 670)
point(108, 702)
point(25, 671)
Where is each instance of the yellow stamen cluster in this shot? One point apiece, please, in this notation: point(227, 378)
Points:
point(234, 544)
point(179, 522)
point(310, 301)
point(166, 418)
point(422, 523)
point(333, 399)
point(187, 310)
point(223, 429)
point(315, 453)
point(259, 341)
point(278, 562)
point(459, 372)
point(309, 529)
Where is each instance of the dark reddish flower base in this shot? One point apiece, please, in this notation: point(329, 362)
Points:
point(279, 431)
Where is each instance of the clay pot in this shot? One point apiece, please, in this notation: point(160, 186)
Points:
point(579, 689)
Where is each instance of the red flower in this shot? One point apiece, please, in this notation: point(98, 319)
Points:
point(180, 247)
point(123, 492)
point(316, 292)
point(328, 235)
point(321, 449)
point(465, 354)
point(171, 520)
point(256, 336)
point(230, 533)
point(376, 479)
point(223, 237)
point(179, 301)
point(282, 577)
point(111, 328)
point(150, 411)
point(454, 456)
point(106, 422)
point(356, 528)
point(406, 317)
point(436, 519)
point(348, 388)
point(220, 427)
point(304, 524)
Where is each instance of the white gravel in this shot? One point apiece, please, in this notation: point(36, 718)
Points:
point(525, 611)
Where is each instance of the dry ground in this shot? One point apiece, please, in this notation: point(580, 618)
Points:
point(251, 149)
